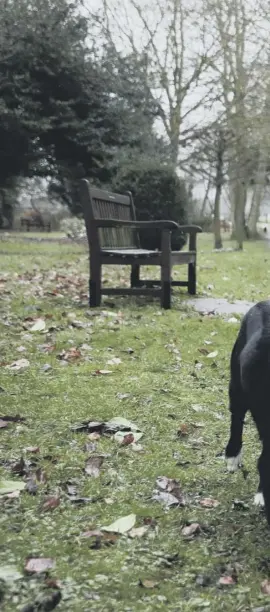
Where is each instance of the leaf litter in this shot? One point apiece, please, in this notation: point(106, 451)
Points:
point(122, 525)
point(169, 492)
point(93, 466)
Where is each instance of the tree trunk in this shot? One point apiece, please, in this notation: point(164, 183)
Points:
point(217, 233)
point(218, 183)
point(239, 233)
point(205, 200)
point(257, 197)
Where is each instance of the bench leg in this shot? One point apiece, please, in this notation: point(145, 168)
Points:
point(192, 278)
point(135, 275)
point(95, 286)
point(166, 286)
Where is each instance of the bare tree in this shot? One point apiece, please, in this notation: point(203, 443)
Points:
point(235, 28)
point(176, 64)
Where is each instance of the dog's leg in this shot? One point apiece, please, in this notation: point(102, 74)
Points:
point(258, 497)
point(264, 471)
point(238, 409)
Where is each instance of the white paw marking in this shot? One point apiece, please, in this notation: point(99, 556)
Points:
point(233, 463)
point(259, 500)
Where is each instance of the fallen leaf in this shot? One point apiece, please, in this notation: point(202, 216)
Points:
point(32, 449)
point(38, 326)
point(148, 584)
point(102, 372)
point(212, 355)
point(123, 396)
point(209, 502)
point(127, 439)
point(171, 493)
point(93, 465)
point(41, 476)
point(114, 361)
point(20, 467)
point(18, 365)
point(138, 532)
point(265, 587)
point(120, 436)
point(182, 431)
point(203, 351)
point(166, 498)
point(121, 525)
point(100, 539)
point(37, 565)
point(94, 435)
point(50, 503)
point(228, 581)
point(120, 423)
point(70, 355)
point(9, 486)
point(191, 530)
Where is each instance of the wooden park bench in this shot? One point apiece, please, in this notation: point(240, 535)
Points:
point(112, 232)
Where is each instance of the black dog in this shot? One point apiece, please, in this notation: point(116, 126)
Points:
point(250, 390)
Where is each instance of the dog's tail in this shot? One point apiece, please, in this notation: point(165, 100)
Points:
point(255, 357)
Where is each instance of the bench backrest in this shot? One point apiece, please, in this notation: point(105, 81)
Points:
point(101, 204)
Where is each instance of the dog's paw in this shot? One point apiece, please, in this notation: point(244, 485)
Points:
point(233, 463)
point(259, 500)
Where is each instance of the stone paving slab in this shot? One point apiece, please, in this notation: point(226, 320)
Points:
point(219, 306)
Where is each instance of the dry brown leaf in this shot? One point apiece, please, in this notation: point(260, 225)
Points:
point(128, 439)
point(32, 449)
point(265, 587)
point(182, 431)
point(93, 465)
point(228, 581)
point(50, 503)
point(94, 435)
point(41, 476)
point(209, 502)
point(191, 530)
point(203, 351)
point(102, 372)
point(148, 584)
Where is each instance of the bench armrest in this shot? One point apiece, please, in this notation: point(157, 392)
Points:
point(162, 225)
point(190, 229)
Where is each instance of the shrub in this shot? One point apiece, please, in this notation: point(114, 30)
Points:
point(74, 228)
point(158, 193)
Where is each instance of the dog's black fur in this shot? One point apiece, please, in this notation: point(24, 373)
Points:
point(250, 389)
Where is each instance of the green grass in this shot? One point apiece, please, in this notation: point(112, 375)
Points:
point(166, 390)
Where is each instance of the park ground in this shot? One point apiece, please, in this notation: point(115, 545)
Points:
point(166, 372)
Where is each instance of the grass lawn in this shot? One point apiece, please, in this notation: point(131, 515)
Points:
point(161, 378)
